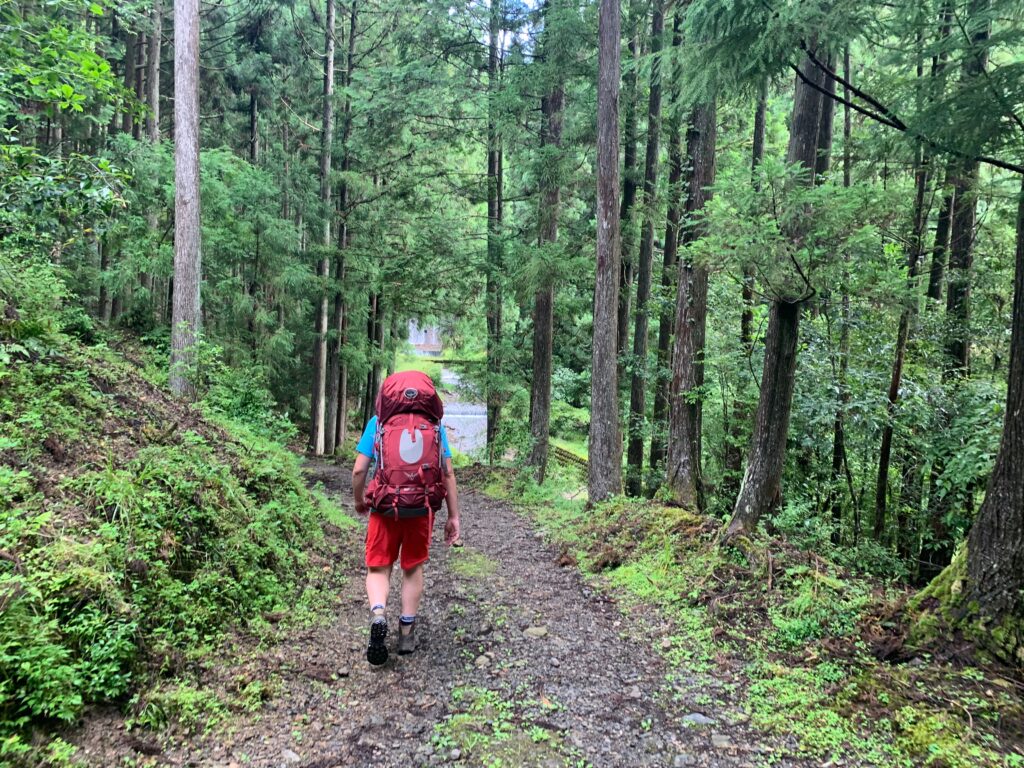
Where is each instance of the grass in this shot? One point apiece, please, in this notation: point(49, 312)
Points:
point(790, 634)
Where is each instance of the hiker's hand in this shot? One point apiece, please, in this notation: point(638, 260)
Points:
point(361, 508)
point(451, 530)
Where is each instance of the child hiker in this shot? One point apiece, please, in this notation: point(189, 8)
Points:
point(407, 449)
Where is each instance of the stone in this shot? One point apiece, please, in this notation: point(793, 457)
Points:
point(536, 632)
point(634, 693)
point(682, 760)
point(344, 672)
point(555, 662)
point(666, 643)
point(455, 754)
point(698, 719)
point(721, 741)
point(290, 757)
point(482, 660)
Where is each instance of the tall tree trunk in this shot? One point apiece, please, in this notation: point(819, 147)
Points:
point(186, 312)
point(823, 161)
point(604, 476)
point(761, 489)
point(318, 403)
point(940, 249)
point(153, 73)
point(686, 408)
point(740, 409)
point(938, 548)
point(914, 256)
point(494, 221)
point(630, 186)
point(335, 417)
point(670, 255)
point(544, 301)
point(130, 49)
point(638, 385)
point(995, 545)
point(839, 422)
point(254, 127)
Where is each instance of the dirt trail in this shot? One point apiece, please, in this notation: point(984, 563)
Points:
point(537, 668)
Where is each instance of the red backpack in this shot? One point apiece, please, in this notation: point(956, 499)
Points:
point(409, 479)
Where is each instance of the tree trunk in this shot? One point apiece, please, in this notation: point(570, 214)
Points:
point(494, 221)
point(902, 336)
point(544, 301)
point(605, 465)
point(254, 127)
point(629, 189)
point(130, 49)
point(669, 268)
point(995, 545)
point(733, 459)
point(186, 311)
point(939, 546)
point(823, 161)
point(153, 73)
point(686, 408)
point(940, 250)
point(335, 416)
point(638, 385)
point(761, 488)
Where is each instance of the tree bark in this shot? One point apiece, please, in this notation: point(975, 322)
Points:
point(494, 226)
point(914, 257)
point(940, 249)
point(544, 301)
point(995, 545)
point(153, 73)
point(318, 403)
point(669, 268)
point(740, 409)
point(839, 422)
point(604, 477)
point(629, 188)
point(686, 409)
point(638, 384)
point(186, 312)
point(761, 488)
point(130, 49)
point(335, 417)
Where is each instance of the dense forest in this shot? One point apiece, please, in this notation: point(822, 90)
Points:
point(761, 261)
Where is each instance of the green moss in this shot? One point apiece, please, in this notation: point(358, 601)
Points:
point(470, 563)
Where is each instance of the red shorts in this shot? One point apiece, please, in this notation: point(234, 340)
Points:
point(385, 536)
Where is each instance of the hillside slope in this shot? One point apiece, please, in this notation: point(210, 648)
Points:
point(135, 530)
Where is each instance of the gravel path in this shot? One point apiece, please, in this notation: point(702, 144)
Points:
point(520, 663)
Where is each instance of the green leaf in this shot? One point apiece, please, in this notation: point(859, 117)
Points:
point(96, 9)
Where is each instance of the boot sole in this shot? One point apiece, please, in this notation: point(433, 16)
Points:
point(377, 650)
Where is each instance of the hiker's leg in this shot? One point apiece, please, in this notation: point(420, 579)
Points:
point(412, 589)
point(378, 584)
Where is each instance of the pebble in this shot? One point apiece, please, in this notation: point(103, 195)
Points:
point(721, 741)
point(683, 759)
point(455, 754)
point(555, 662)
point(482, 660)
point(666, 643)
point(698, 719)
point(535, 632)
point(289, 757)
point(344, 672)
point(634, 693)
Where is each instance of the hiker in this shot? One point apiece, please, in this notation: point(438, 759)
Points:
point(404, 449)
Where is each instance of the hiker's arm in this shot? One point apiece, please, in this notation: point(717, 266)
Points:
point(359, 472)
point(452, 527)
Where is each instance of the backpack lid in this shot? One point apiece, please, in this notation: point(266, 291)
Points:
point(408, 392)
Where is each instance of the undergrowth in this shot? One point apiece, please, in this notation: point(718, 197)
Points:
point(135, 533)
point(794, 639)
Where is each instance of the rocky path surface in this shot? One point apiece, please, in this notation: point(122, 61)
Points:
point(520, 663)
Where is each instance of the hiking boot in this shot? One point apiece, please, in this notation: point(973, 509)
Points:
point(377, 650)
point(406, 640)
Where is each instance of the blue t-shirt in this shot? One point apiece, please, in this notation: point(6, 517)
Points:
point(365, 445)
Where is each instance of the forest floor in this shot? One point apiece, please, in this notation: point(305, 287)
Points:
point(521, 662)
